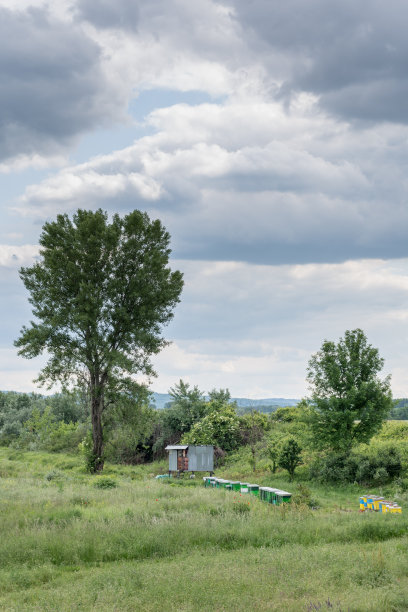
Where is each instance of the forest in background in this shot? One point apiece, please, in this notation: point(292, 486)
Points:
point(137, 433)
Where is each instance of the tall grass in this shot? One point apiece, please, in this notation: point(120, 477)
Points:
point(67, 544)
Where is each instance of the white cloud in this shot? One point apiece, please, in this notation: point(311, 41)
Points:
point(17, 374)
point(253, 182)
point(253, 328)
point(15, 256)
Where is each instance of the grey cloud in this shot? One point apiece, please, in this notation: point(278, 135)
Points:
point(107, 14)
point(286, 305)
point(352, 54)
point(281, 201)
point(53, 86)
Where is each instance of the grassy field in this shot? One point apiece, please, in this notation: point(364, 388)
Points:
point(124, 541)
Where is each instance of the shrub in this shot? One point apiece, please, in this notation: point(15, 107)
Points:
point(378, 467)
point(290, 456)
point(105, 483)
point(53, 475)
point(241, 508)
point(303, 497)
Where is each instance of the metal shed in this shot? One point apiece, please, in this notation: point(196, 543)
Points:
point(188, 458)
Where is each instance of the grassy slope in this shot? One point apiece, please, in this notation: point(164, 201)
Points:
point(145, 545)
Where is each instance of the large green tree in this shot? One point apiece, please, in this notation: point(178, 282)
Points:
point(101, 292)
point(349, 402)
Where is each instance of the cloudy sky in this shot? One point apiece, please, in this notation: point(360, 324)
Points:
point(271, 138)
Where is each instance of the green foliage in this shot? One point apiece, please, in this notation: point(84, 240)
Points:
point(377, 466)
point(253, 426)
point(399, 410)
point(397, 432)
point(290, 456)
point(105, 483)
point(286, 414)
point(41, 431)
point(349, 402)
point(85, 448)
point(219, 427)
point(303, 496)
point(187, 407)
point(273, 451)
point(242, 508)
point(129, 424)
point(101, 293)
point(49, 414)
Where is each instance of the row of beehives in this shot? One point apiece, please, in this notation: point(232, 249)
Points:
point(378, 504)
point(268, 494)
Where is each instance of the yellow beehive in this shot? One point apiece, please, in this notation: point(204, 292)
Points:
point(370, 502)
point(376, 503)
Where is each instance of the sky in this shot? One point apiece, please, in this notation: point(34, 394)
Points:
point(269, 137)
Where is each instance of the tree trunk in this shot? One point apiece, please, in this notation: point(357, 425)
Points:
point(97, 433)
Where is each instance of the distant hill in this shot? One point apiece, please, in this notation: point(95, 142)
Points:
point(161, 399)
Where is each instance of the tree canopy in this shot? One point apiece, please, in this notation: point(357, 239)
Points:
point(349, 402)
point(101, 292)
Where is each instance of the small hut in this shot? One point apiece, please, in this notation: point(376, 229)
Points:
point(188, 458)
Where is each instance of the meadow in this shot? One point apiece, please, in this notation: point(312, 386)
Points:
point(125, 541)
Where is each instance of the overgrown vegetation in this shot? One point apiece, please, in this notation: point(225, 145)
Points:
point(133, 543)
point(339, 435)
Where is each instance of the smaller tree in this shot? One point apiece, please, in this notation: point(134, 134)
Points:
point(253, 426)
point(290, 456)
point(349, 401)
point(273, 452)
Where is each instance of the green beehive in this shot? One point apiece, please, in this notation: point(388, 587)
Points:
point(222, 483)
point(267, 494)
point(207, 480)
point(262, 493)
point(282, 497)
point(244, 487)
point(236, 485)
point(272, 495)
point(254, 489)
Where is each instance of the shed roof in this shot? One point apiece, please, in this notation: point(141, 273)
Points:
point(176, 447)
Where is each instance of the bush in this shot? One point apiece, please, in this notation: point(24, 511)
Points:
point(381, 466)
point(105, 483)
point(303, 497)
point(53, 475)
point(241, 508)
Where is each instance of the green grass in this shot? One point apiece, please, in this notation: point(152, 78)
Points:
point(139, 544)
